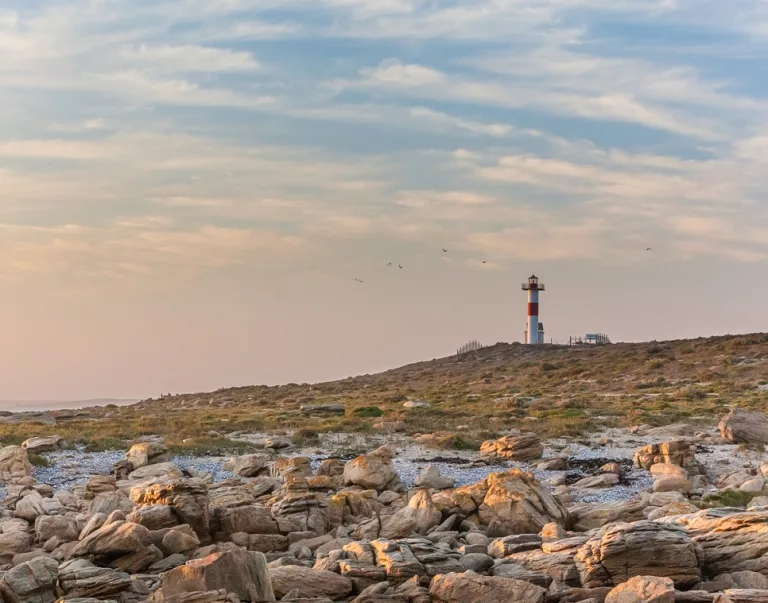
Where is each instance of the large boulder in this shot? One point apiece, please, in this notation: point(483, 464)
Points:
point(124, 545)
point(521, 448)
point(211, 596)
point(741, 425)
point(308, 583)
point(642, 548)
point(44, 444)
point(14, 539)
point(56, 526)
point(643, 589)
point(430, 478)
point(188, 499)
point(168, 469)
point(249, 465)
point(516, 503)
point(31, 582)
point(469, 586)
point(372, 471)
point(236, 571)
point(147, 453)
point(81, 578)
point(588, 516)
point(733, 543)
point(14, 463)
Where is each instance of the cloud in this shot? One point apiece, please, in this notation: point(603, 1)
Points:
point(189, 59)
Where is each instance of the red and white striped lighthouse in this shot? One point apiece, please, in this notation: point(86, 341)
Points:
point(534, 334)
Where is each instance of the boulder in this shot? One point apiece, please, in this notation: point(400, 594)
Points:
point(14, 539)
point(211, 596)
point(588, 516)
point(121, 544)
point(107, 503)
point(63, 528)
point(679, 452)
point(249, 465)
point(734, 543)
point(44, 444)
point(469, 586)
point(521, 448)
point(167, 469)
point(603, 480)
point(741, 425)
point(430, 478)
point(643, 589)
point(81, 578)
point(642, 548)
point(188, 499)
point(422, 512)
point(14, 463)
point(33, 506)
point(31, 582)
point(309, 583)
point(672, 484)
point(147, 453)
point(235, 571)
point(372, 471)
point(250, 519)
point(516, 503)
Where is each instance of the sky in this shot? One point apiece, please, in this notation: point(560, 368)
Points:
point(189, 188)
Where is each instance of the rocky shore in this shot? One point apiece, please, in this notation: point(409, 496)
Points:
point(639, 515)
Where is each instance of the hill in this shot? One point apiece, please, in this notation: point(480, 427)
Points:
point(553, 390)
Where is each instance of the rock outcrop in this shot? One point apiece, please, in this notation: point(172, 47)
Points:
point(741, 425)
point(642, 548)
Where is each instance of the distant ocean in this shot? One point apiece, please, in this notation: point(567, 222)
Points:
point(39, 405)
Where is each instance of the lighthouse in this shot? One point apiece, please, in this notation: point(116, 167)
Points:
point(534, 334)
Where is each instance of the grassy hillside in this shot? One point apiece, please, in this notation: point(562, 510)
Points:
point(552, 390)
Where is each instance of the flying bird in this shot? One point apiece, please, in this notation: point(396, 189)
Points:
point(485, 261)
point(445, 250)
point(399, 266)
point(649, 249)
point(389, 264)
point(358, 280)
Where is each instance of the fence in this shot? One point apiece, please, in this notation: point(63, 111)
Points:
point(470, 346)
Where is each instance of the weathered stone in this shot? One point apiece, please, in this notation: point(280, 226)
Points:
point(31, 582)
point(309, 582)
point(430, 478)
point(249, 465)
point(521, 448)
point(188, 499)
point(14, 463)
point(515, 503)
point(643, 589)
point(44, 444)
point(372, 471)
point(642, 548)
point(679, 453)
point(147, 453)
point(469, 586)
point(603, 480)
point(588, 516)
point(741, 425)
point(236, 571)
point(81, 578)
point(63, 528)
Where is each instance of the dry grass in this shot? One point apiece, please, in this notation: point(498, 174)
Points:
point(554, 391)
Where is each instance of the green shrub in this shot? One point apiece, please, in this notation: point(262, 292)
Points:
point(38, 460)
point(728, 498)
point(368, 412)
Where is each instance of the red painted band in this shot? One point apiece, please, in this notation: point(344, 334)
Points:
point(533, 309)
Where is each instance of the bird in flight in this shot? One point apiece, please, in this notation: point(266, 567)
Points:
point(399, 266)
point(358, 280)
point(485, 261)
point(389, 264)
point(649, 249)
point(445, 250)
